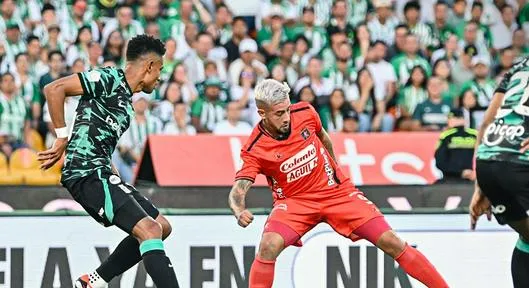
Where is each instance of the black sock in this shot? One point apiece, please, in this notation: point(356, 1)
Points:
point(124, 257)
point(158, 265)
point(520, 265)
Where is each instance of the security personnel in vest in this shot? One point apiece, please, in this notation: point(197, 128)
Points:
point(455, 149)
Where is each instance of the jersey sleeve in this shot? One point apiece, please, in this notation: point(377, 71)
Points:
point(316, 118)
point(250, 167)
point(98, 83)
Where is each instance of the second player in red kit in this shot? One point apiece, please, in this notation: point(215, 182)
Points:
point(290, 147)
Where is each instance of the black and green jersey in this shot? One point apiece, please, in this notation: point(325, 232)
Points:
point(502, 138)
point(103, 115)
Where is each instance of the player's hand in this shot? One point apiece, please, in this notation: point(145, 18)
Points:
point(468, 174)
point(479, 205)
point(49, 157)
point(244, 218)
point(524, 146)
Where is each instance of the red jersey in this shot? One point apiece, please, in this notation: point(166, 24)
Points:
point(299, 164)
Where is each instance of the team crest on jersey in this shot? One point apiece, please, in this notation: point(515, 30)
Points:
point(305, 134)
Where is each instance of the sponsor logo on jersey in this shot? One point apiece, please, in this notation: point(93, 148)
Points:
point(94, 76)
point(305, 133)
point(328, 168)
point(499, 131)
point(113, 124)
point(300, 164)
point(498, 209)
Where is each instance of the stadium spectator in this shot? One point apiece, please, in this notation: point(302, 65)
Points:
point(124, 23)
point(49, 18)
point(399, 45)
point(306, 94)
point(322, 10)
point(239, 32)
point(449, 51)
point(179, 124)
point(442, 30)
point(55, 61)
point(207, 111)
point(339, 109)
point(195, 62)
point(150, 12)
point(37, 68)
point(413, 93)
point(482, 85)
point(194, 12)
point(455, 149)
point(14, 120)
point(211, 71)
point(95, 55)
point(382, 72)
point(519, 42)
point(322, 86)
point(431, 115)
point(114, 48)
point(77, 17)
point(315, 35)
point(383, 25)
point(424, 32)
point(164, 109)
point(462, 70)
point(361, 44)
point(338, 21)
point(188, 88)
point(223, 24)
point(8, 15)
point(13, 42)
point(26, 88)
point(133, 140)
point(247, 51)
point(80, 48)
point(506, 61)
point(271, 36)
point(301, 58)
point(328, 54)
point(405, 62)
point(153, 29)
point(473, 35)
point(441, 69)
point(278, 73)
point(456, 17)
point(343, 73)
point(169, 59)
point(371, 110)
point(243, 93)
point(472, 113)
point(502, 32)
point(233, 124)
point(55, 42)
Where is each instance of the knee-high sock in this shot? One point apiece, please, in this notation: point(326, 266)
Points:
point(519, 264)
point(125, 256)
point(262, 273)
point(417, 266)
point(158, 266)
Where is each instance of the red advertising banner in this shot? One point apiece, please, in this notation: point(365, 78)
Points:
point(369, 159)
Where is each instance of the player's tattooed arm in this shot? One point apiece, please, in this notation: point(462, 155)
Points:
point(327, 142)
point(237, 202)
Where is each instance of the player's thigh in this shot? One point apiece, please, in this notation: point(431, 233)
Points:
point(349, 210)
point(292, 218)
point(506, 188)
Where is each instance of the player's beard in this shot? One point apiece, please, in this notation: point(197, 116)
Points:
point(283, 132)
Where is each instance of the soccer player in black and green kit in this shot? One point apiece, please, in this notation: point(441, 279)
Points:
point(103, 114)
point(502, 165)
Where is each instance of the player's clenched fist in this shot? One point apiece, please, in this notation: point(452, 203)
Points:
point(244, 218)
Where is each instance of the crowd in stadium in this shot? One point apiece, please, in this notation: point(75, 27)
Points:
point(366, 66)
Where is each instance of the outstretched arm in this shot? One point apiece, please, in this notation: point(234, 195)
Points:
point(327, 142)
point(237, 202)
point(55, 93)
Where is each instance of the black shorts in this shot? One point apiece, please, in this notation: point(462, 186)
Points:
point(111, 201)
point(506, 184)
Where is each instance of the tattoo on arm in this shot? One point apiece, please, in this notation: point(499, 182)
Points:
point(237, 198)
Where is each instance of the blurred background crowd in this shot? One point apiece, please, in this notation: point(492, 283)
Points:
point(365, 65)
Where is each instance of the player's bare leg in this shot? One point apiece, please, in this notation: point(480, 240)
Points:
point(262, 272)
point(410, 259)
point(520, 255)
point(125, 256)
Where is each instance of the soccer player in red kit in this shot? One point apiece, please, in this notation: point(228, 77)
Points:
point(290, 147)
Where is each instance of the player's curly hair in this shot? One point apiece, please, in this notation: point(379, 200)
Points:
point(144, 44)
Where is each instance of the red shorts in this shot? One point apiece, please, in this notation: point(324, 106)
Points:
point(344, 211)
